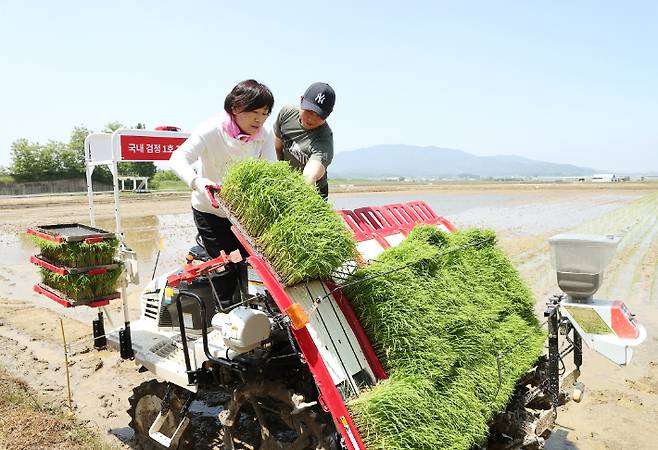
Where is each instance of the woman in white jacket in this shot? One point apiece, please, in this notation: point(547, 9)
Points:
point(236, 134)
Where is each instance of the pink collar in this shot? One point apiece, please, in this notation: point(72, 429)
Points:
point(232, 129)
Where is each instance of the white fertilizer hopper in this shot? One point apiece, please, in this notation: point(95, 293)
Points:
point(606, 326)
point(579, 260)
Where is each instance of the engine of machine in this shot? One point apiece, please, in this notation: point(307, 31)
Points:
point(242, 329)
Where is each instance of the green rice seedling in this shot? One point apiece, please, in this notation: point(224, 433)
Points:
point(437, 322)
point(82, 287)
point(298, 232)
point(77, 254)
point(306, 244)
point(437, 325)
point(259, 192)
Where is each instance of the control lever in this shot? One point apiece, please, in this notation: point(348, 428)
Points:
point(211, 189)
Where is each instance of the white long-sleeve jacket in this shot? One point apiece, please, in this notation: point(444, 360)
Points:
point(214, 150)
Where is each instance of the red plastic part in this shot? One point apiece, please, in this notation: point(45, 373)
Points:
point(167, 128)
point(377, 222)
point(622, 320)
point(379, 219)
point(210, 191)
point(99, 271)
point(94, 240)
point(427, 215)
point(381, 240)
point(359, 222)
point(191, 272)
point(405, 217)
point(46, 265)
point(423, 211)
point(65, 303)
point(361, 230)
point(446, 223)
point(47, 236)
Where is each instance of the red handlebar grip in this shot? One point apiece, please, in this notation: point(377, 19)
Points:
point(210, 190)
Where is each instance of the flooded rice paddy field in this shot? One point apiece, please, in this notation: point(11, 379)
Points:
point(620, 405)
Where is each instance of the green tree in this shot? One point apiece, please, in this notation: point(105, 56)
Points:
point(77, 142)
point(68, 161)
point(112, 127)
point(32, 161)
point(5, 176)
point(77, 145)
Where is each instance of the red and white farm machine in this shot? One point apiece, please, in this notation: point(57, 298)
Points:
point(290, 358)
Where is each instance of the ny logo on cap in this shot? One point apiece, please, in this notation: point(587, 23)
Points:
point(320, 98)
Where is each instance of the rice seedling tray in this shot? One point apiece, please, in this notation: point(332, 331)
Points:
point(64, 246)
point(71, 232)
point(299, 233)
point(67, 302)
point(54, 266)
point(85, 286)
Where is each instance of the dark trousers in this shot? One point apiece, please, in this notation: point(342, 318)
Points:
point(216, 235)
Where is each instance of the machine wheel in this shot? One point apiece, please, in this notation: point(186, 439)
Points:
point(145, 404)
point(268, 417)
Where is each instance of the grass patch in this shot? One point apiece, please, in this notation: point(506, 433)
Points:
point(299, 233)
point(6, 179)
point(169, 185)
point(28, 422)
point(437, 325)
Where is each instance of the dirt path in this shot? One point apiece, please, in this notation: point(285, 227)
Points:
point(620, 406)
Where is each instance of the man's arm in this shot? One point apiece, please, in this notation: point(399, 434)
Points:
point(313, 171)
point(278, 147)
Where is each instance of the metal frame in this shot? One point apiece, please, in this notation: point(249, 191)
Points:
point(104, 149)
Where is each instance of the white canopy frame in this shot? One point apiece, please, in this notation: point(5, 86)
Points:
point(108, 149)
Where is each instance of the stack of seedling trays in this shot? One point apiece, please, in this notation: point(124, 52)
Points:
point(77, 263)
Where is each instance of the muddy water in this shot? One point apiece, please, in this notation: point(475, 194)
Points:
point(167, 237)
point(516, 216)
point(524, 212)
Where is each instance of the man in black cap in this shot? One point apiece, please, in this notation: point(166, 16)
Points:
point(303, 138)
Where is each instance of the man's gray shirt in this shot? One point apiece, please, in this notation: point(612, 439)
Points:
point(300, 144)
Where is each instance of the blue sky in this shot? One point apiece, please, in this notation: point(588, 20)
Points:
point(562, 81)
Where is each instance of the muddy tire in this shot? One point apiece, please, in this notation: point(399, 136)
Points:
point(145, 404)
point(270, 416)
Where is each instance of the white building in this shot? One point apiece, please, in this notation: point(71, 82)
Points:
point(604, 178)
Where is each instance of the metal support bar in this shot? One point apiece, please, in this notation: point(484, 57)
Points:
point(125, 343)
point(192, 377)
point(577, 349)
point(89, 170)
point(204, 331)
point(125, 340)
point(553, 357)
point(100, 341)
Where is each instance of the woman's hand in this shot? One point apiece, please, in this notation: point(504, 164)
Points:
point(200, 184)
point(209, 187)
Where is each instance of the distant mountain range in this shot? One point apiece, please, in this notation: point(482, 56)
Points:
point(433, 162)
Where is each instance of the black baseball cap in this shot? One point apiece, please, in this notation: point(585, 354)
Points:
point(319, 98)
